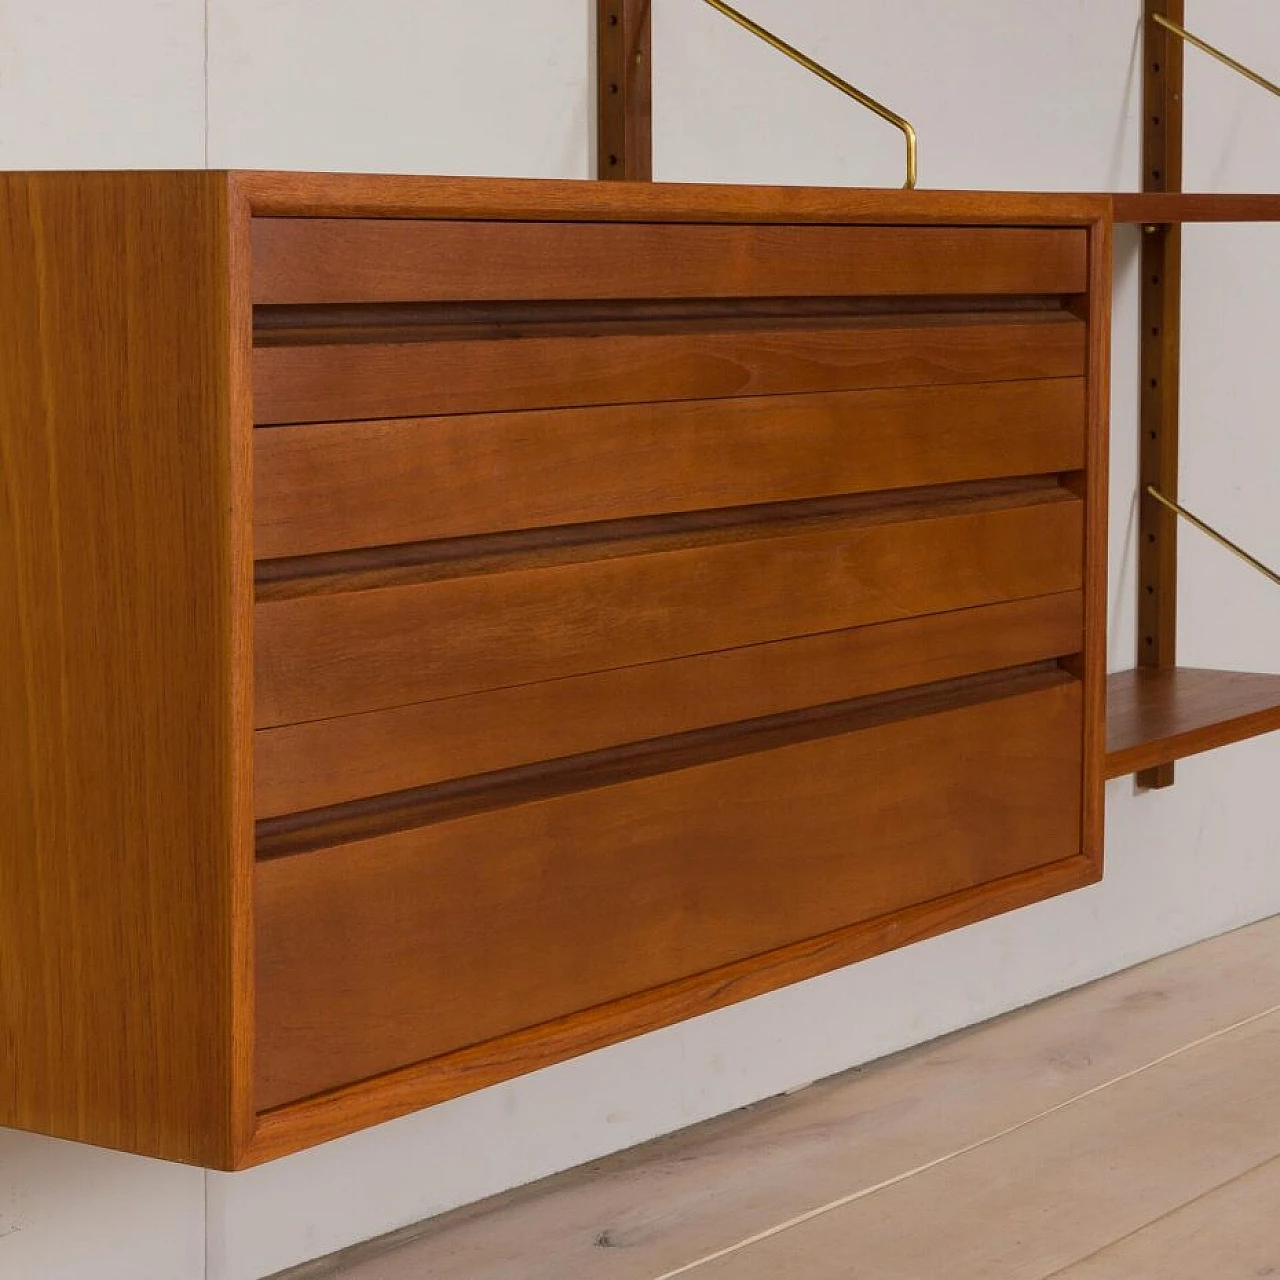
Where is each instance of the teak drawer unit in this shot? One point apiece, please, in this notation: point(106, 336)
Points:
point(454, 625)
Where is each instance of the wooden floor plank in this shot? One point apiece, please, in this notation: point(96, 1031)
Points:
point(653, 1209)
point(1029, 1204)
point(1229, 1234)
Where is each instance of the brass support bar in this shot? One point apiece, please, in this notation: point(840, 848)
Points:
point(1183, 34)
point(1220, 538)
point(831, 78)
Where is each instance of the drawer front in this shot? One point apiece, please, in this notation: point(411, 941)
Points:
point(555, 612)
point(323, 763)
point(358, 260)
point(510, 909)
point(644, 610)
point(410, 370)
point(324, 487)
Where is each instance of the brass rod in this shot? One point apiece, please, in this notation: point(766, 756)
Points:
point(1206, 47)
point(831, 78)
point(1221, 539)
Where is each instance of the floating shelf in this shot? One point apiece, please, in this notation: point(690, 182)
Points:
point(1154, 207)
point(1155, 717)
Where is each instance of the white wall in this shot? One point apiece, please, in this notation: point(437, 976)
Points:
point(1035, 94)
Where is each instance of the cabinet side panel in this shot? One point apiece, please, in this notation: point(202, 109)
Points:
point(119, 790)
point(1101, 274)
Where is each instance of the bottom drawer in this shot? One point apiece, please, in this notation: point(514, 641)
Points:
point(392, 950)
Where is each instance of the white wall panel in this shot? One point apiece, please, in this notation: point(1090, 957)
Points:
point(88, 84)
point(487, 87)
point(69, 1212)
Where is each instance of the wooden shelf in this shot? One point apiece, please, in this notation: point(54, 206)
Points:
point(1154, 717)
point(1177, 206)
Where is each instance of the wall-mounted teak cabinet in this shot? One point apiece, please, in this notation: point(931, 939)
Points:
point(448, 626)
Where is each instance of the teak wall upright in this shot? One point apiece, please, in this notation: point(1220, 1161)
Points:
point(125, 795)
point(624, 84)
point(1160, 347)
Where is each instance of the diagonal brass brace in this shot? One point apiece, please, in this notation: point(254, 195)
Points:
point(1205, 47)
point(831, 78)
point(1220, 538)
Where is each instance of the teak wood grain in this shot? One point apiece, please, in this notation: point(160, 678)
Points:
point(332, 487)
point(336, 1112)
point(1095, 487)
point(624, 83)
point(319, 831)
point(648, 881)
point(1153, 207)
point(1160, 348)
point(125, 801)
point(330, 762)
point(1155, 717)
point(340, 654)
point(658, 546)
point(356, 195)
point(328, 382)
point(352, 260)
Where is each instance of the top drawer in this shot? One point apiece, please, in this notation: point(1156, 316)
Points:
point(318, 261)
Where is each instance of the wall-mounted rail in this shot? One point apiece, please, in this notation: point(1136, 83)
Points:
point(1161, 712)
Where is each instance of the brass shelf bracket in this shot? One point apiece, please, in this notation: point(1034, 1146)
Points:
point(1220, 538)
point(1205, 47)
point(830, 77)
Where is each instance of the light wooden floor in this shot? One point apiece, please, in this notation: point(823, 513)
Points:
point(1125, 1130)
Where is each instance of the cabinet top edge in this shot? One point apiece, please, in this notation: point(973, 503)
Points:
point(288, 194)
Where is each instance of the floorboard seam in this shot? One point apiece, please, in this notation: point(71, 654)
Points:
point(1146, 1226)
point(864, 1192)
